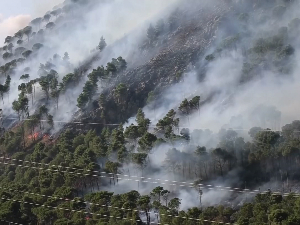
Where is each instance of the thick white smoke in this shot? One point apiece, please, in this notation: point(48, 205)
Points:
point(78, 33)
point(119, 18)
point(232, 99)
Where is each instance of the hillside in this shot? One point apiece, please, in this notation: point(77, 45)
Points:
point(174, 112)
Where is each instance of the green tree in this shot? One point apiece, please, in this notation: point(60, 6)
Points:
point(46, 18)
point(66, 56)
point(26, 54)
point(82, 100)
point(55, 91)
point(21, 105)
point(140, 159)
point(142, 121)
point(10, 47)
point(20, 50)
point(68, 81)
point(174, 204)
point(156, 193)
point(102, 44)
point(112, 168)
point(37, 46)
point(6, 87)
point(45, 83)
point(117, 140)
point(50, 25)
point(25, 77)
point(151, 34)
point(167, 124)
point(221, 156)
point(55, 12)
point(50, 120)
point(19, 34)
point(146, 142)
point(7, 55)
point(8, 39)
point(111, 69)
point(172, 160)
point(27, 31)
point(132, 133)
point(120, 93)
point(37, 22)
point(144, 204)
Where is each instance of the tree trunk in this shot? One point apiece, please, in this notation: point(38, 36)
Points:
point(221, 167)
point(23, 131)
point(205, 170)
point(148, 217)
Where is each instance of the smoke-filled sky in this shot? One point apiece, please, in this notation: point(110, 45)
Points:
point(15, 14)
point(222, 76)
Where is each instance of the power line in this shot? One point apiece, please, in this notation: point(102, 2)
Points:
point(109, 216)
point(70, 200)
point(66, 209)
point(90, 213)
point(134, 210)
point(95, 175)
point(129, 178)
point(151, 126)
point(156, 181)
point(113, 207)
point(69, 122)
point(86, 202)
point(126, 176)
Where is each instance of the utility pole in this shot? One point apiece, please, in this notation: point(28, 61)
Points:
point(246, 192)
point(287, 180)
point(1, 122)
point(200, 196)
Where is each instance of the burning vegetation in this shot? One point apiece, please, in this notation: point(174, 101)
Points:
point(34, 136)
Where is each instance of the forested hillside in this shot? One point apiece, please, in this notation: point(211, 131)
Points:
point(173, 113)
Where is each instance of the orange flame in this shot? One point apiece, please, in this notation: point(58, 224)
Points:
point(34, 136)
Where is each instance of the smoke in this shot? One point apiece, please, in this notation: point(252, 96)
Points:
point(227, 97)
point(78, 32)
point(123, 24)
point(12, 24)
point(39, 9)
point(35, 8)
point(267, 100)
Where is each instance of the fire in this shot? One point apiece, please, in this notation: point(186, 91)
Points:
point(46, 136)
point(37, 135)
point(34, 136)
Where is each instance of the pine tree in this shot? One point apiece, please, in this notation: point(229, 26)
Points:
point(151, 34)
point(66, 57)
point(102, 44)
